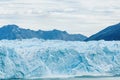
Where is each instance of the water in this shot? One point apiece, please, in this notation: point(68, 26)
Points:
point(108, 78)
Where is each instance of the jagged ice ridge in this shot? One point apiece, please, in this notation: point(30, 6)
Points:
point(32, 58)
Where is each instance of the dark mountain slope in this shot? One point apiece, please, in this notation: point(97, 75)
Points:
point(110, 33)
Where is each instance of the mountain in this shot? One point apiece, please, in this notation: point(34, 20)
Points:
point(110, 33)
point(12, 32)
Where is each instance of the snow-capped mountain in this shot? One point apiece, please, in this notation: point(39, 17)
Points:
point(12, 32)
point(109, 34)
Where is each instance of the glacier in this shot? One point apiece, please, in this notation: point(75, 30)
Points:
point(37, 58)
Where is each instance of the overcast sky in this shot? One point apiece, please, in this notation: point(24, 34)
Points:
point(75, 16)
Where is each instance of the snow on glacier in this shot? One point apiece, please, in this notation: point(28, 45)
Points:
point(32, 58)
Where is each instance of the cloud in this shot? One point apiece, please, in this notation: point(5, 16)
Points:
point(75, 16)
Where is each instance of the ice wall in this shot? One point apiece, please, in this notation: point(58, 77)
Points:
point(32, 58)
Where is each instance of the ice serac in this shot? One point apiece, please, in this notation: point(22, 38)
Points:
point(33, 58)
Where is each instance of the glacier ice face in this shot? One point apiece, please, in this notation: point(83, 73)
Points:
point(33, 58)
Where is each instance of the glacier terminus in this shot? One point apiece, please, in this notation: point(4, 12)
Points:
point(36, 58)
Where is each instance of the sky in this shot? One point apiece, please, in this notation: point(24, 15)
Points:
point(74, 16)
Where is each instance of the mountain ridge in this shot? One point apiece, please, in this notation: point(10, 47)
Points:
point(13, 31)
point(109, 33)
